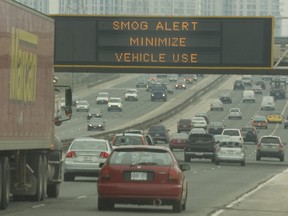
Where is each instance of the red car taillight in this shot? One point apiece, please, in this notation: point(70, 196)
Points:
point(174, 176)
point(104, 174)
point(104, 155)
point(71, 154)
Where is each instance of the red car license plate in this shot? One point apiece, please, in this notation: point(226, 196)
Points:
point(139, 176)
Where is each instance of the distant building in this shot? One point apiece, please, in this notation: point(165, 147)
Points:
point(39, 5)
point(167, 8)
point(244, 8)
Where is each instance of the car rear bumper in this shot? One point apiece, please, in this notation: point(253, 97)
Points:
point(200, 154)
point(83, 169)
point(276, 154)
point(229, 159)
point(131, 193)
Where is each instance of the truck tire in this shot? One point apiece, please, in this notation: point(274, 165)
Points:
point(177, 207)
point(6, 179)
point(53, 190)
point(68, 177)
point(45, 170)
point(1, 181)
point(39, 176)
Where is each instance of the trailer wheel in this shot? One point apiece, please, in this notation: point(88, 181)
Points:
point(39, 175)
point(1, 181)
point(53, 190)
point(6, 179)
point(44, 171)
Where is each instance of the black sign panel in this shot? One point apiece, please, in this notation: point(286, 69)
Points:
point(94, 43)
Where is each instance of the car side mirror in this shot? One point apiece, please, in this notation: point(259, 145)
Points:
point(184, 167)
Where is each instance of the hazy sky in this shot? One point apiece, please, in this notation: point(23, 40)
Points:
point(284, 13)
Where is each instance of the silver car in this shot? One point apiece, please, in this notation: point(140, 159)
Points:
point(216, 104)
point(230, 150)
point(270, 146)
point(84, 156)
point(235, 113)
point(82, 105)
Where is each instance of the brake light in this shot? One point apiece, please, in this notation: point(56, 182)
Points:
point(71, 154)
point(104, 155)
point(104, 174)
point(173, 176)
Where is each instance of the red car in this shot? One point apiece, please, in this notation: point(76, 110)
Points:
point(178, 141)
point(142, 175)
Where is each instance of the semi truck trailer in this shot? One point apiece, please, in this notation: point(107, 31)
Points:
point(30, 153)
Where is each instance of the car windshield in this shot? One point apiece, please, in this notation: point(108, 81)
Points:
point(115, 100)
point(247, 129)
point(88, 145)
point(96, 120)
point(157, 128)
point(141, 157)
point(230, 144)
point(270, 140)
point(127, 140)
point(231, 132)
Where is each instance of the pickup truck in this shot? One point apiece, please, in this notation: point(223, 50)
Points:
point(200, 146)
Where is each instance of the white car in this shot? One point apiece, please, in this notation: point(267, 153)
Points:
point(82, 105)
point(131, 95)
point(235, 113)
point(115, 104)
point(233, 132)
point(199, 122)
point(216, 104)
point(102, 98)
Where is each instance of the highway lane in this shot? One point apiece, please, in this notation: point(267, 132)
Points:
point(210, 187)
point(77, 126)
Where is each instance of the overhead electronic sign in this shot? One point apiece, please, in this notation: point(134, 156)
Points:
point(94, 43)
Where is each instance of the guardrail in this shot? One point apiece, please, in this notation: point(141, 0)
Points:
point(160, 117)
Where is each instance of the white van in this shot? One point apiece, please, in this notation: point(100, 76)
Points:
point(248, 96)
point(247, 80)
point(267, 103)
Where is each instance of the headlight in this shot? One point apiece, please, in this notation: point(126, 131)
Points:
point(163, 95)
point(109, 105)
point(152, 95)
point(90, 125)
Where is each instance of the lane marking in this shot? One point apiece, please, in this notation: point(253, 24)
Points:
point(248, 194)
point(38, 206)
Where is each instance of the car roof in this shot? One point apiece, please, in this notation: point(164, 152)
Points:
point(128, 134)
point(96, 119)
point(88, 139)
point(269, 136)
point(141, 147)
